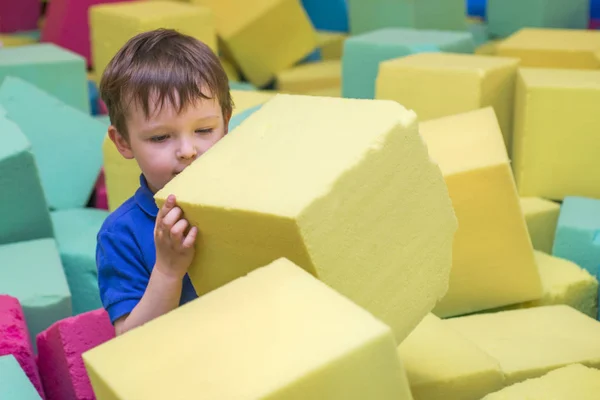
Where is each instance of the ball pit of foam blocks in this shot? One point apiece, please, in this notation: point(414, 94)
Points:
point(19, 15)
point(363, 53)
point(541, 216)
point(547, 162)
point(60, 350)
point(441, 84)
point(14, 384)
point(279, 356)
point(303, 212)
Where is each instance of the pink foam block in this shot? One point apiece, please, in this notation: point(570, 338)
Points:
point(59, 354)
point(67, 24)
point(14, 339)
point(101, 198)
point(19, 15)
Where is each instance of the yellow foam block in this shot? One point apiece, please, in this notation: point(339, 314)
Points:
point(327, 92)
point(310, 77)
point(331, 44)
point(553, 48)
point(547, 161)
point(230, 70)
point(293, 191)
point(440, 84)
point(112, 25)
point(531, 342)
point(493, 262)
point(488, 48)
point(574, 381)
point(541, 216)
point(441, 364)
point(276, 333)
point(264, 37)
point(15, 40)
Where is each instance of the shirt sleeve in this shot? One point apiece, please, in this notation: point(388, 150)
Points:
point(122, 277)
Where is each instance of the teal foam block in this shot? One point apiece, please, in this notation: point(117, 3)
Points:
point(506, 17)
point(14, 384)
point(76, 232)
point(479, 31)
point(66, 142)
point(241, 86)
point(237, 119)
point(24, 213)
point(370, 15)
point(578, 233)
point(103, 119)
point(363, 53)
point(53, 69)
point(32, 272)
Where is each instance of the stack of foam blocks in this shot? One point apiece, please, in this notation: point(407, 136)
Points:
point(412, 208)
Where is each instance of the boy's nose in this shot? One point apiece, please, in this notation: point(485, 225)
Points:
point(187, 150)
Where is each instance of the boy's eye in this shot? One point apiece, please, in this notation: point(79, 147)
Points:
point(160, 138)
point(204, 131)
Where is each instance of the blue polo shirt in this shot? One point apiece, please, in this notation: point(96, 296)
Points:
point(125, 254)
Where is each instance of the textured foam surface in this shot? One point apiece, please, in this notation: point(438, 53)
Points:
point(363, 53)
point(578, 233)
point(13, 381)
point(272, 356)
point(19, 15)
point(547, 163)
point(32, 272)
point(60, 350)
point(467, 81)
point(76, 231)
point(24, 212)
point(541, 216)
point(314, 214)
point(51, 68)
point(310, 77)
point(15, 340)
point(328, 15)
point(61, 137)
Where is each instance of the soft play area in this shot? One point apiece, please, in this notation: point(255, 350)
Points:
point(406, 206)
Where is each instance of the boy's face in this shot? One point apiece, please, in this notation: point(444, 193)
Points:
point(167, 142)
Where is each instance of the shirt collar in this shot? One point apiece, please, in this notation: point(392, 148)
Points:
point(145, 198)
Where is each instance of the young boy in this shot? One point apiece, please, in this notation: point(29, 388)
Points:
point(168, 100)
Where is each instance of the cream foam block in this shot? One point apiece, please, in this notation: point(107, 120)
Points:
point(364, 210)
point(491, 267)
point(541, 216)
point(277, 333)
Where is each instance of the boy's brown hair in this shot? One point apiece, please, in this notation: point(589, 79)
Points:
point(163, 62)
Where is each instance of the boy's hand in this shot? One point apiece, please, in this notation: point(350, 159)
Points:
point(174, 249)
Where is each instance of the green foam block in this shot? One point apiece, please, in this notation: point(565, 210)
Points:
point(363, 53)
point(32, 272)
point(14, 384)
point(76, 232)
point(53, 69)
point(24, 213)
point(66, 142)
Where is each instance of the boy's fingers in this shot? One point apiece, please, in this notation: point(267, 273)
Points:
point(169, 204)
point(171, 218)
point(178, 229)
point(190, 239)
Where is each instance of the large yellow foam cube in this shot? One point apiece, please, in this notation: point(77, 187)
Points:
point(264, 37)
point(331, 44)
point(493, 262)
point(541, 216)
point(364, 210)
point(575, 381)
point(441, 364)
point(441, 84)
point(112, 25)
point(556, 146)
point(277, 333)
point(531, 342)
point(553, 48)
point(311, 77)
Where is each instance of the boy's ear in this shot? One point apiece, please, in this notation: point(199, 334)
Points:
point(120, 142)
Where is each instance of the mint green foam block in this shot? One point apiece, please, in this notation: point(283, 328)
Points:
point(506, 17)
point(14, 384)
point(32, 272)
point(370, 15)
point(76, 231)
point(363, 53)
point(578, 233)
point(53, 69)
point(24, 213)
point(66, 142)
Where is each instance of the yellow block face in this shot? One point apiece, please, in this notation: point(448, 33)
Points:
point(488, 49)
point(531, 342)
point(553, 48)
point(436, 85)
point(541, 216)
point(493, 261)
point(292, 191)
point(15, 40)
point(112, 25)
point(442, 364)
point(547, 162)
point(250, 340)
point(230, 70)
point(310, 77)
point(331, 44)
point(575, 381)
